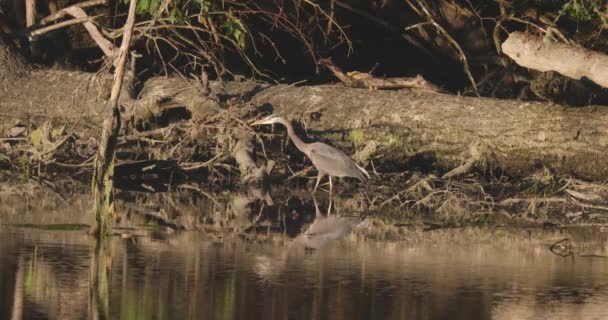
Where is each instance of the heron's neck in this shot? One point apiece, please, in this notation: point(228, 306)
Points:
point(292, 135)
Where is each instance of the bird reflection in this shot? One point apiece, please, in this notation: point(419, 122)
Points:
point(325, 228)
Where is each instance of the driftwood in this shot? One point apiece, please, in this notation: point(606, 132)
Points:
point(534, 52)
point(366, 80)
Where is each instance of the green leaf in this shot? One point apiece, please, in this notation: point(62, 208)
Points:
point(154, 5)
point(239, 36)
point(57, 132)
point(143, 6)
point(175, 16)
point(36, 137)
point(235, 29)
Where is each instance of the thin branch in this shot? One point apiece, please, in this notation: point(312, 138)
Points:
point(460, 170)
point(105, 45)
point(60, 25)
point(446, 34)
point(195, 166)
point(63, 12)
point(386, 25)
point(122, 56)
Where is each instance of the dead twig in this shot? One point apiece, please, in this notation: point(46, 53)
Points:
point(300, 173)
point(511, 201)
point(586, 197)
point(365, 80)
point(60, 25)
point(106, 46)
point(195, 166)
point(63, 12)
point(462, 169)
point(463, 58)
point(591, 206)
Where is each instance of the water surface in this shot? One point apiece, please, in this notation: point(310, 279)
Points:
point(144, 273)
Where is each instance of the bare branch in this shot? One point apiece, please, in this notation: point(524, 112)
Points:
point(122, 56)
point(467, 70)
point(30, 12)
point(103, 43)
point(63, 12)
point(60, 25)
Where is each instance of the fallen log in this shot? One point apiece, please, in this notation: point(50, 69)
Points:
point(411, 130)
point(532, 51)
point(433, 130)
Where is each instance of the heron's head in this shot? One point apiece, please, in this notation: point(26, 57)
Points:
point(269, 120)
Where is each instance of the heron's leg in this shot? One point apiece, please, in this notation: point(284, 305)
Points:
point(330, 186)
point(319, 177)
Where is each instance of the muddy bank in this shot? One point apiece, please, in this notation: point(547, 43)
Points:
point(456, 160)
point(397, 129)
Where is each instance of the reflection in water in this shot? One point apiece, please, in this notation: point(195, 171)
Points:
point(326, 228)
point(188, 275)
point(99, 280)
point(264, 268)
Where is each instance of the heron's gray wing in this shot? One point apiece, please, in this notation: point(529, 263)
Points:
point(333, 161)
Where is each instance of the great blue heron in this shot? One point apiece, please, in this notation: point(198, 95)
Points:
point(327, 159)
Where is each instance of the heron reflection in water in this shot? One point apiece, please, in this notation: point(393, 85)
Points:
point(328, 160)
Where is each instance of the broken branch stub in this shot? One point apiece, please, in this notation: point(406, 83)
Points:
point(531, 51)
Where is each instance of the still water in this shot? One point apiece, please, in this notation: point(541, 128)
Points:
point(152, 273)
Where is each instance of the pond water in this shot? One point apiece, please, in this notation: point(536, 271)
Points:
point(48, 271)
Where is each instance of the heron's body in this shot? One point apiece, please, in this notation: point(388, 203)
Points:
point(327, 159)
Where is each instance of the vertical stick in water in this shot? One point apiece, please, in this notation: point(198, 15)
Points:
point(103, 174)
